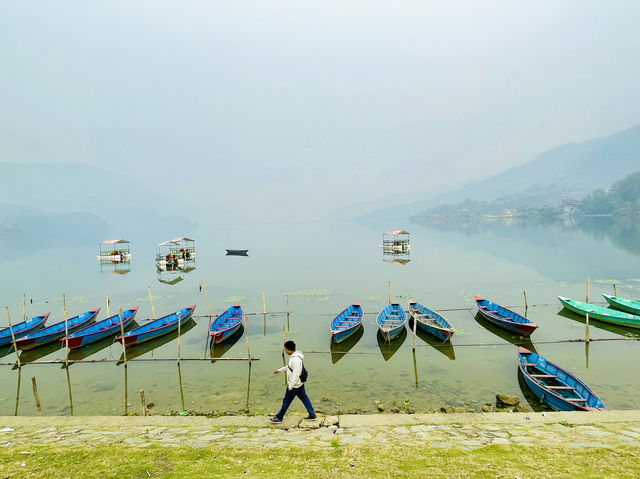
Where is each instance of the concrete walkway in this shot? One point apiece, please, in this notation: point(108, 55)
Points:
point(607, 429)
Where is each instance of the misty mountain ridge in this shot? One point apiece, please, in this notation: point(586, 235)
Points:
point(573, 170)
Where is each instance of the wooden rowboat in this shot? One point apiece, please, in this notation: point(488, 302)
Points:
point(237, 252)
point(504, 318)
point(346, 323)
point(623, 304)
point(157, 327)
point(391, 321)
point(101, 329)
point(226, 324)
point(430, 321)
point(23, 328)
point(601, 313)
point(56, 331)
point(554, 386)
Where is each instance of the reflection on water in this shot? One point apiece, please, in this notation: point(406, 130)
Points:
point(32, 355)
point(445, 347)
point(613, 328)
point(339, 350)
point(217, 350)
point(143, 348)
point(512, 338)
point(389, 348)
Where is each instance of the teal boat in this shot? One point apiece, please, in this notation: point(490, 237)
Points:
point(623, 304)
point(601, 313)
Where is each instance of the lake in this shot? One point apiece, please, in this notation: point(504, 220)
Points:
point(323, 267)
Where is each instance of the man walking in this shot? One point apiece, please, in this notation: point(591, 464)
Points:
point(295, 386)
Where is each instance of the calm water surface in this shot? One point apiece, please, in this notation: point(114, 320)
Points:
point(323, 267)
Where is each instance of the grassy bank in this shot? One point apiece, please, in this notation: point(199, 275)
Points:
point(336, 462)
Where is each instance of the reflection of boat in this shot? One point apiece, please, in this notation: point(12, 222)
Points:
point(175, 276)
point(22, 329)
point(338, 350)
point(400, 261)
point(219, 349)
point(600, 312)
point(84, 352)
point(511, 337)
point(555, 386)
point(430, 321)
point(106, 328)
point(346, 323)
point(56, 331)
point(612, 328)
point(391, 321)
point(387, 348)
point(445, 347)
point(157, 327)
point(226, 324)
point(623, 304)
point(40, 352)
point(504, 318)
point(142, 348)
point(237, 252)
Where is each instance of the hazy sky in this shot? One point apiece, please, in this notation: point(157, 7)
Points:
point(308, 106)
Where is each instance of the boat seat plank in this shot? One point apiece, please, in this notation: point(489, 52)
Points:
point(560, 387)
point(352, 317)
point(544, 376)
point(349, 322)
point(529, 364)
point(575, 399)
point(492, 311)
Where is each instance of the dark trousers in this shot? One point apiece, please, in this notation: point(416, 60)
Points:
point(288, 398)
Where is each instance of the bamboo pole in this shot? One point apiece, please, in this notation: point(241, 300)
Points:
point(264, 313)
point(415, 368)
point(389, 286)
point(124, 347)
point(144, 403)
point(264, 304)
point(180, 384)
point(586, 329)
point(415, 322)
point(587, 295)
point(179, 327)
point(288, 314)
point(283, 341)
point(615, 290)
point(586, 355)
point(126, 390)
point(153, 311)
point(70, 396)
point(66, 331)
point(24, 306)
point(13, 337)
point(108, 302)
point(526, 305)
point(18, 391)
point(246, 335)
point(35, 395)
point(206, 298)
point(248, 387)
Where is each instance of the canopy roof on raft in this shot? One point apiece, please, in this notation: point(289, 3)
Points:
point(175, 241)
point(115, 241)
point(396, 232)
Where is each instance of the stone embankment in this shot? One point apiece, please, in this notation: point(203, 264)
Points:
point(607, 429)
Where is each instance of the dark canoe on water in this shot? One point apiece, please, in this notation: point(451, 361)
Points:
point(391, 321)
point(430, 321)
point(23, 328)
point(504, 318)
point(101, 329)
point(623, 304)
point(56, 331)
point(601, 313)
point(226, 324)
point(237, 252)
point(346, 323)
point(157, 327)
point(554, 386)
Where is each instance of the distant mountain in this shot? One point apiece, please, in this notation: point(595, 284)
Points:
point(113, 198)
point(573, 170)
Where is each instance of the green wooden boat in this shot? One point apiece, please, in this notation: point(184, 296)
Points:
point(623, 304)
point(601, 313)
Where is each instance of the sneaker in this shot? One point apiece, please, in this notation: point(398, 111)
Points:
point(275, 419)
point(311, 416)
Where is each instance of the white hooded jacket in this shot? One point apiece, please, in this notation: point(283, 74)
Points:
point(294, 369)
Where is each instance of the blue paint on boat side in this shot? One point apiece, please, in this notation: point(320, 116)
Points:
point(22, 329)
point(157, 327)
point(505, 318)
point(346, 323)
point(101, 329)
point(225, 325)
point(555, 386)
point(430, 322)
point(391, 321)
point(57, 330)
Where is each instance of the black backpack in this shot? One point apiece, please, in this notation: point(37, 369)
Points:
point(303, 375)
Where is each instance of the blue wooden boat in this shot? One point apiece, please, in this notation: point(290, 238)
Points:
point(23, 328)
point(56, 331)
point(554, 386)
point(430, 321)
point(157, 327)
point(391, 321)
point(226, 324)
point(504, 318)
point(101, 329)
point(346, 323)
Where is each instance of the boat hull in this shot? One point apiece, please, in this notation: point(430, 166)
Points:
point(430, 322)
point(505, 318)
point(602, 314)
point(391, 322)
point(226, 324)
point(220, 336)
point(134, 337)
point(346, 323)
point(622, 304)
point(57, 331)
point(78, 340)
point(22, 329)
